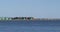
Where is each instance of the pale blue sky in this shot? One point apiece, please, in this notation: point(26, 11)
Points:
point(35, 8)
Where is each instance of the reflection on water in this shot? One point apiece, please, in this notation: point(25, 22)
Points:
point(29, 26)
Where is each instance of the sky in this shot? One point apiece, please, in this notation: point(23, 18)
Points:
point(30, 8)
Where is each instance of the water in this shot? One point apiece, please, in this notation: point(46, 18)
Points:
point(30, 26)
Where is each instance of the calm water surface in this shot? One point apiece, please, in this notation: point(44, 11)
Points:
point(30, 26)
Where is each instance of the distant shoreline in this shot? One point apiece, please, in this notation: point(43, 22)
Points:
point(27, 18)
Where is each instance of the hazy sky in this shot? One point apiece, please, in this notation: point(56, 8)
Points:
point(35, 8)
